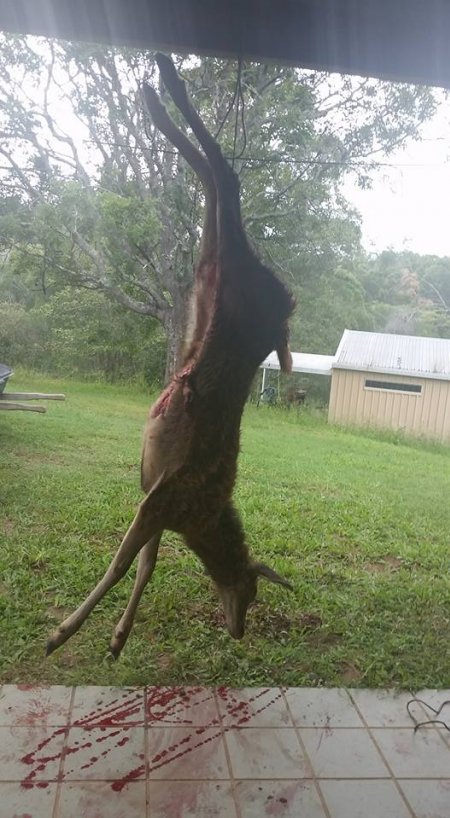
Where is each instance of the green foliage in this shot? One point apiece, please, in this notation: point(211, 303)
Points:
point(21, 336)
point(100, 200)
point(327, 307)
point(408, 293)
point(89, 335)
point(77, 332)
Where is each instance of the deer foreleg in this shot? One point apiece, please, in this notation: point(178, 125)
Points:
point(146, 524)
point(146, 566)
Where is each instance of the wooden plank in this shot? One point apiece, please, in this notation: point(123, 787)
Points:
point(21, 407)
point(30, 396)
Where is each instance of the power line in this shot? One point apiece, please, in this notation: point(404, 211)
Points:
point(287, 160)
point(366, 163)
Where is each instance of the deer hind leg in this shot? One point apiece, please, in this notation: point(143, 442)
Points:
point(146, 524)
point(206, 272)
point(146, 566)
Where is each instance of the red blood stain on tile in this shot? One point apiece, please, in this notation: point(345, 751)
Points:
point(36, 711)
point(174, 752)
point(120, 710)
point(109, 736)
point(162, 704)
point(38, 761)
point(117, 786)
point(169, 704)
point(89, 763)
point(244, 710)
point(278, 803)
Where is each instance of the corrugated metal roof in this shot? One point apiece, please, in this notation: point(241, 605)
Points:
point(394, 354)
point(303, 362)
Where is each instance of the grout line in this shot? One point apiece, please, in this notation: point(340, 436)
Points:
point(225, 780)
point(442, 736)
point(393, 778)
point(62, 759)
point(223, 730)
point(303, 748)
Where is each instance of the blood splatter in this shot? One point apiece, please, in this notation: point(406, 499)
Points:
point(114, 714)
point(169, 705)
point(118, 785)
point(242, 710)
point(162, 706)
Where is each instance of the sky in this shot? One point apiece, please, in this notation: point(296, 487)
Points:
point(408, 207)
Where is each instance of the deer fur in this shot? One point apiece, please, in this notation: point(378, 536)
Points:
point(191, 442)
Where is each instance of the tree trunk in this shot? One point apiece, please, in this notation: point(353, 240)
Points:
point(174, 325)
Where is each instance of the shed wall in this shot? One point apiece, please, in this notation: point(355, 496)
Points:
point(426, 414)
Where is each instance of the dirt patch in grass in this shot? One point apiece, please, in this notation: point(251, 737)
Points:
point(216, 618)
point(41, 456)
point(310, 621)
point(387, 565)
point(8, 526)
point(276, 624)
point(57, 613)
point(321, 638)
point(38, 565)
point(164, 662)
point(350, 674)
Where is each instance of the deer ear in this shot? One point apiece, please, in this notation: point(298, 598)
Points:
point(263, 570)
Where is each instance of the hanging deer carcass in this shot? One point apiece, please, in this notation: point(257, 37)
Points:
point(191, 443)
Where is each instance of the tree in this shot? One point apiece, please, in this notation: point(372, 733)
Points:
point(112, 208)
point(414, 288)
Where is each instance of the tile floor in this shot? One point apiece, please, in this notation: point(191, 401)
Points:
point(96, 752)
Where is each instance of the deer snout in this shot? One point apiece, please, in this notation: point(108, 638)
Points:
point(235, 602)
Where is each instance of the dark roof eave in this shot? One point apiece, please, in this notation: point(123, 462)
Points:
point(393, 39)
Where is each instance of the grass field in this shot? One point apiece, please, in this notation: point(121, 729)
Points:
point(359, 523)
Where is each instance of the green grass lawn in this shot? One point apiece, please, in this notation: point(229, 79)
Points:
point(360, 524)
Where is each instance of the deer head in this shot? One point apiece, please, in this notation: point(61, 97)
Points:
point(237, 598)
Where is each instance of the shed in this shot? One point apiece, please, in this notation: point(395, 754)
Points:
point(306, 362)
point(399, 382)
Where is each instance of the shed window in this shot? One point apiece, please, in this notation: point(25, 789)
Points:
point(393, 386)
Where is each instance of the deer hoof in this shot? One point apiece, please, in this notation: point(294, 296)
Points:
point(115, 649)
point(52, 645)
point(117, 642)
